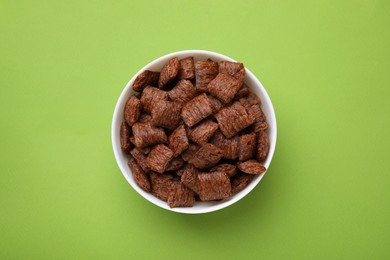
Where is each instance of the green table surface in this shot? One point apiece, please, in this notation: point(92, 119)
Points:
point(325, 65)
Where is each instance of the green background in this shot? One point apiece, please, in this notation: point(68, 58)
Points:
point(325, 65)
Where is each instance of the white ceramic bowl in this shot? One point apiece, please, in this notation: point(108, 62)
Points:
point(156, 65)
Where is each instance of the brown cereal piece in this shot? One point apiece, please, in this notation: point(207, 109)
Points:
point(233, 119)
point(227, 168)
point(145, 135)
point(125, 137)
point(187, 68)
point(140, 157)
point(168, 72)
point(235, 69)
point(166, 114)
point(251, 167)
point(178, 141)
point(196, 109)
point(206, 157)
point(261, 121)
point(229, 146)
point(144, 79)
point(241, 181)
point(132, 110)
point(224, 87)
point(179, 195)
point(262, 146)
point(184, 91)
point(214, 186)
point(151, 95)
point(242, 92)
point(202, 132)
point(246, 146)
point(205, 71)
point(189, 178)
point(140, 177)
point(175, 164)
point(159, 158)
point(144, 118)
point(250, 100)
point(216, 105)
point(160, 185)
point(190, 152)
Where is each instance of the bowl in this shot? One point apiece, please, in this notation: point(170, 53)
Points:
point(199, 207)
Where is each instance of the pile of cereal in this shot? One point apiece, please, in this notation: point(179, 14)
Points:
point(194, 131)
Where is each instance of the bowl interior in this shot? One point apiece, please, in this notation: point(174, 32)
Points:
point(156, 65)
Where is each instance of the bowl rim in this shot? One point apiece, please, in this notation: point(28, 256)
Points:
point(117, 150)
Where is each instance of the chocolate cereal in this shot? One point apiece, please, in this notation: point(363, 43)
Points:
point(190, 178)
point(246, 146)
point(166, 114)
point(146, 78)
point(168, 72)
point(262, 146)
point(233, 119)
point(145, 134)
point(224, 87)
point(206, 157)
point(179, 195)
point(196, 109)
point(228, 146)
point(240, 181)
point(178, 141)
point(235, 69)
point(139, 175)
point(151, 95)
point(125, 137)
point(183, 92)
point(251, 167)
point(205, 71)
point(187, 68)
point(215, 104)
point(159, 158)
point(132, 110)
point(160, 184)
point(260, 119)
point(227, 168)
point(194, 132)
point(202, 132)
point(140, 157)
point(214, 186)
